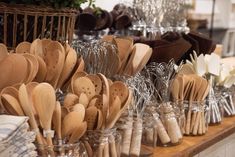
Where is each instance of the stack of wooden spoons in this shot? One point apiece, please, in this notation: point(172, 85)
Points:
point(193, 89)
point(38, 102)
point(133, 57)
point(41, 61)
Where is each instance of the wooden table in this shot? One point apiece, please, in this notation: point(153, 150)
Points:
point(192, 145)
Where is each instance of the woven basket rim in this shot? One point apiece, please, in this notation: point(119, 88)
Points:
point(5, 7)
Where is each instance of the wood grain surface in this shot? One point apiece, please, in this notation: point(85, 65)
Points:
point(192, 145)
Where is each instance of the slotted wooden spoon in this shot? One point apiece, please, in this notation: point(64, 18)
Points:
point(119, 89)
point(84, 85)
point(97, 82)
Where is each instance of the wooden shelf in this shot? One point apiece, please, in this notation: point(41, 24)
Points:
point(193, 145)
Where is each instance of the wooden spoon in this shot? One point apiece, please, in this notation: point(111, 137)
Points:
point(70, 100)
point(23, 47)
point(83, 99)
point(75, 76)
point(42, 70)
point(52, 60)
point(79, 108)
point(100, 119)
point(124, 45)
point(70, 62)
point(144, 61)
point(12, 105)
point(105, 97)
point(91, 117)
point(27, 108)
point(70, 122)
point(30, 86)
point(37, 48)
point(34, 66)
point(3, 52)
point(112, 120)
point(14, 68)
point(56, 120)
point(114, 111)
point(84, 85)
point(78, 132)
point(97, 82)
point(119, 89)
point(45, 101)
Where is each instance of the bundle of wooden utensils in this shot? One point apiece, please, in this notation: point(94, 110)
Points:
point(132, 57)
point(191, 90)
point(41, 61)
point(94, 104)
point(104, 100)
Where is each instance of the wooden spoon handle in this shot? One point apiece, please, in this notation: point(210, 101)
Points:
point(50, 145)
point(112, 146)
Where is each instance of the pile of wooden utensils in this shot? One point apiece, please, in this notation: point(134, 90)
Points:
point(41, 61)
point(104, 103)
point(193, 89)
point(132, 57)
point(38, 102)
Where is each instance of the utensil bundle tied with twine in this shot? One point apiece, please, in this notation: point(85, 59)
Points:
point(192, 90)
point(210, 67)
point(131, 124)
point(167, 129)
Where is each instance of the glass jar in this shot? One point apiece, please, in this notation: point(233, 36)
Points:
point(225, 99)
point(196, 118)
point(62, 150)
point(102, 143)
point(167, 125)
point(216, 111)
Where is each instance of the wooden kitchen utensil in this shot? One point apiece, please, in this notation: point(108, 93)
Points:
point(45, 101)
point(78, 132)
point(11, 105)
point(3, 51)
point(23, 47)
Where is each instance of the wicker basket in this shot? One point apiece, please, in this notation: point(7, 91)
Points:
point(25, 23)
